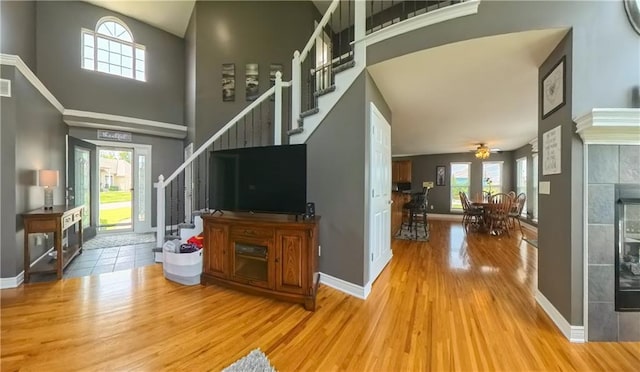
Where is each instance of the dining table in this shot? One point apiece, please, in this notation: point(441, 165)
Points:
point(482, 202)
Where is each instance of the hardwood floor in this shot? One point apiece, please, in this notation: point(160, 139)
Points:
point(458, 302)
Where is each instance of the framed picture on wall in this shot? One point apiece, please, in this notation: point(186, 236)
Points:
point(228, 82)
point(252, 78)
point(441, 175)
point(553, 89)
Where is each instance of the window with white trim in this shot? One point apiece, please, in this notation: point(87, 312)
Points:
point(521, 180)
point(492, 177)
point(111, 49)
point(460, 181)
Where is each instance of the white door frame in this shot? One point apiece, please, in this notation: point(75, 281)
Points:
point(375, 268)
point(138, 149)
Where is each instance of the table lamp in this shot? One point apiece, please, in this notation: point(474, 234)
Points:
point(48, 179)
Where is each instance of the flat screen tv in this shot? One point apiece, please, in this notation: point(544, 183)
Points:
point(271, 179)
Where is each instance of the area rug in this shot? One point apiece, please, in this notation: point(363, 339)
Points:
point(118, 240)
point(255, 361)
point(406, 234)
point(533, 242)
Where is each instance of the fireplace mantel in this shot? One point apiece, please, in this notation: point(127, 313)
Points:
point(607, 126)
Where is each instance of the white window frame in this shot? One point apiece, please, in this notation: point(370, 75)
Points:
point(138, 65)
point(519, 186)
point(534, 196)
point(456, 197)
point(494, 189)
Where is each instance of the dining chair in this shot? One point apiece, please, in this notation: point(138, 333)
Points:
point(516, 209)
point(499, 208)
point(471, 214)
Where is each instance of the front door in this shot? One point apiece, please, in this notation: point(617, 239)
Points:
point(379, 193)
point(82, 183)
point(116, 189)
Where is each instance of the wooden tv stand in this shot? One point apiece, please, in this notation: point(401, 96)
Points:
point(271, 255)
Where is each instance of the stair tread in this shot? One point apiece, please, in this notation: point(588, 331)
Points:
point(313, 111)
point(344, 66)
point(186, 225)
point(295, 131)
point(324, 91)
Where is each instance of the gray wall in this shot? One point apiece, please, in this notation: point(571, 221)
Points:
point(336, 184)
point(8, 218)
point(160, 98)
point(18, 30)
point(242, 32)
point(605, 47)
point(33, 138)
point(166, 156)
point(560, 220)
point(607, 166)
point(190, 80)
point(423, 169)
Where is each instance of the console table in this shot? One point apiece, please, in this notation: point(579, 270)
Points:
point(57, 221)
point(272, 255)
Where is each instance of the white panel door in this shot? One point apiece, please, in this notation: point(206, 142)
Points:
point(380, 193)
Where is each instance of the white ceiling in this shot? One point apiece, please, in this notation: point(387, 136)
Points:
point(450, 98)
point(172, 16)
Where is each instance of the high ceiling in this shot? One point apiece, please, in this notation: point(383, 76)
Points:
point(450, 98)
point(445, 99)
point(169, 15)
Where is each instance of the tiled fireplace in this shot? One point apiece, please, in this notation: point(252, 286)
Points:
point(613, 165)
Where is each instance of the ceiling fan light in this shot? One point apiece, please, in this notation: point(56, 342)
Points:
point(483, 152)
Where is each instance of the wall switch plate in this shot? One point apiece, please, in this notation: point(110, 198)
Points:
point(544, 187)
point(319, 250)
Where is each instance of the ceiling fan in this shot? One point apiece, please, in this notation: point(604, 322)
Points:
point(483, 151)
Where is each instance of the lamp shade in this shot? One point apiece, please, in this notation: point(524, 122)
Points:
point(48, 178)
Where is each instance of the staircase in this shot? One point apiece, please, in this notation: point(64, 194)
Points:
point(322, 72)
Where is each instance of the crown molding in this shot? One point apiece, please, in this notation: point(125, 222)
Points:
point(17, 62)
point(534, 145)
point(97, 120)
point(610, 126)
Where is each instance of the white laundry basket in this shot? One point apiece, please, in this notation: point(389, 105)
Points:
point(183, 268)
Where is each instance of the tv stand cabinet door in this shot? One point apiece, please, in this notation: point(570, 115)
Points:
point(216, 257)
point(291, 261)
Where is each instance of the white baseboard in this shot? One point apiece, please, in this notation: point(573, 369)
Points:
point(346, 287)
point(571, 332)
point(445, 217)
point(12, 282)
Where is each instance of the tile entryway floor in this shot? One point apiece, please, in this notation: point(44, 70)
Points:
point(106, 260)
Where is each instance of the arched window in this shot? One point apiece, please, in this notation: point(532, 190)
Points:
point(111, 49)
